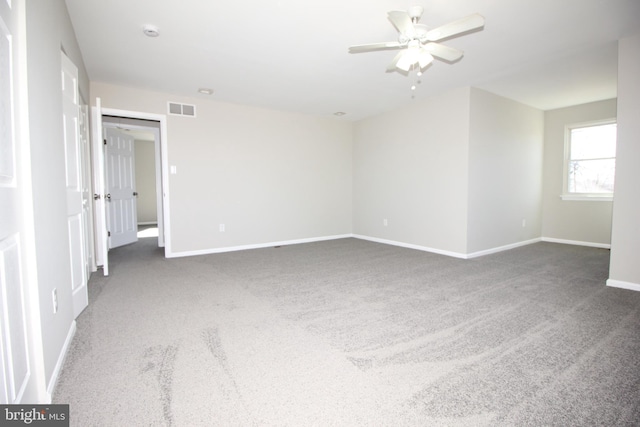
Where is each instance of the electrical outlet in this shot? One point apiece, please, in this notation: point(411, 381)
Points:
point(385, 222)
point(54, 297)
point(524, 223)
point(222, 228)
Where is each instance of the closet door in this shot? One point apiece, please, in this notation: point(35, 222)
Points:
point(16, 212)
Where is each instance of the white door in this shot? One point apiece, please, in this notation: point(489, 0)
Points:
point(16, 213)
point(99, 190)
point(87, 212)
point(122, 220)
point(73, 171)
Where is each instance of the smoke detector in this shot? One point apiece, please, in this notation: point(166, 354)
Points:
point(150, 31)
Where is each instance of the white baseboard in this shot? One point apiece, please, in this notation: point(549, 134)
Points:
point(411, 246)
point(448, 253)
point(148, 223)
point(623, 285)
point(61, 357)
point(255, 246)
point(501, 248)
point(387, 242)
point(577, 242)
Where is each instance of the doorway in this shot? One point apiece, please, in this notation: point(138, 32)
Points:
point(149, 129)
point(132, 152)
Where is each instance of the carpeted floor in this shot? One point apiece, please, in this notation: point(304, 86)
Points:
point(354, 333)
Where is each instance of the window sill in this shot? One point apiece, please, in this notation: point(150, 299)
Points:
point(587, 197)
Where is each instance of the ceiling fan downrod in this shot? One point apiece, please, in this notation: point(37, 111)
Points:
point(415, 13)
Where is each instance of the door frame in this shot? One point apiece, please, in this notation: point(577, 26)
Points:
point(162, 168)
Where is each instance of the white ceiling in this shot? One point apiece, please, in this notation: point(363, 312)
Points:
point(292, 55)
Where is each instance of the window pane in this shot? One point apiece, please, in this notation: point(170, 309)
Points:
point(591, 176)
point(593, 142)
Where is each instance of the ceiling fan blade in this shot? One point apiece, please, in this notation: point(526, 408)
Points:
point(373, 46)
point(463, 25)
point(443, 52)
point(401, 20)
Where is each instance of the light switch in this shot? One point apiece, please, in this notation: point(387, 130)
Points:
point(174, 169)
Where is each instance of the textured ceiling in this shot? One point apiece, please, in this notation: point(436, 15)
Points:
point(292, 55)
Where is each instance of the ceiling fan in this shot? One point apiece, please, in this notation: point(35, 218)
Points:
point(418, 43)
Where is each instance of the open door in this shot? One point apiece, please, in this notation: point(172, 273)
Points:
point(74, 176)
point(87, 190)
point(99, 193)
point(122, 219)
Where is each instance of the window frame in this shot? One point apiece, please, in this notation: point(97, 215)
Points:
point(566, 194)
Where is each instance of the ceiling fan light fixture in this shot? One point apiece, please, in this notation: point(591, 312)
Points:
point(424, 59)
point(405, 62)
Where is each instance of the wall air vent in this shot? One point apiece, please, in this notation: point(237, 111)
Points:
point(177, 109)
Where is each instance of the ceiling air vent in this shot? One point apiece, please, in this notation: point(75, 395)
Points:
point(176, 109)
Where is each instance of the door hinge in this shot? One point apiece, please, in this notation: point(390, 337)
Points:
point(104, 141)
point(108, 234)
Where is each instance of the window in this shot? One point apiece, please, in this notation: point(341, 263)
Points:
point(590, 161)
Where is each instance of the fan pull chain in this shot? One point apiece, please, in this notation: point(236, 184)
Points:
point(417, 82)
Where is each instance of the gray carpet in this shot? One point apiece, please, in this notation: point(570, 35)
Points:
point(350, 332)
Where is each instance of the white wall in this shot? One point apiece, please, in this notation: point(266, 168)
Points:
point(410, 167)
point(49, 29)
point(454, 174)
point(625, 239)
point(577, 221)
point(269, 176)
point(146, 204)
point(505, 172)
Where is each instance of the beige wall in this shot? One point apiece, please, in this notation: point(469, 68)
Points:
point(505, 172)
point(578, 221)
point(625, 240)
point(410, 167)
point(269, 176)
point(146, 204)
